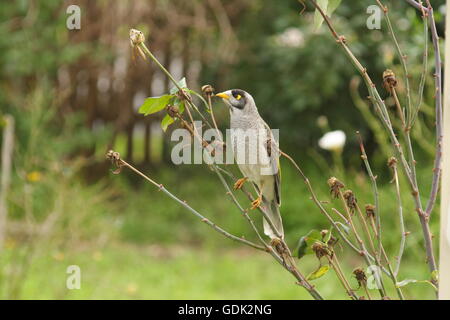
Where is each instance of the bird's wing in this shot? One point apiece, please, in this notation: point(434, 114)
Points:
point(274, 155)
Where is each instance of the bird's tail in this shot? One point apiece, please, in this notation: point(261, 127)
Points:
point(273, 212)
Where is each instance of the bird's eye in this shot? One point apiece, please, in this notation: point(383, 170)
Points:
point(238, 97)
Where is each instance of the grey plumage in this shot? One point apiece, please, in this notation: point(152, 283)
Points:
point(256, 153)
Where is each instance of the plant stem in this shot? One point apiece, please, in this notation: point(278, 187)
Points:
point(382, 110)
point(402, 223)
point(334, 262)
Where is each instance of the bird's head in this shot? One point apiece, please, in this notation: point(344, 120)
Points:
point(238, 101)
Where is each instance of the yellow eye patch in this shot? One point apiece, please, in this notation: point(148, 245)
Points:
point(238, 97)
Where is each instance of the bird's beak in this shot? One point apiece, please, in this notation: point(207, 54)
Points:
point(223, 95)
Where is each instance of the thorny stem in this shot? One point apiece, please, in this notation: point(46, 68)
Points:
point(364, 254)
point(334, 262)
point(360, 242)
point(399, 108)
point(392, 274)
point(402, 58)
point(423, 76)
point(438, 97)
point(367, 291)
point(244, 212)
point(366, 229)
point(382, 110)
point(424, 216)
point(417, 5)
point(115, 157)
point(291, 267)
point(373, 180)
point(212, 113)
point(402, 223)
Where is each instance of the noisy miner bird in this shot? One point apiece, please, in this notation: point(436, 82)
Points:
point(257, 155)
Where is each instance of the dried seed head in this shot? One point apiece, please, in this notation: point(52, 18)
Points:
point(370, 210)
point(350, 199)
point(207, 90)
point(389, 80)
point(320, 249)
point(324, 232)
point(136, 37)
point(360, 276)
point(114, 157)
point(392, 162)
point(172, 111)
point(335, 185)
point(332, 241)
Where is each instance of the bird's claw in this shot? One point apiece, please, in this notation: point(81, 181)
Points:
point(275, 242)
point(240, 183)
point(256, 203)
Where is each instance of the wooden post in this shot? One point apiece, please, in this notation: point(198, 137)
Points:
point(7, 151)
point(444, 256)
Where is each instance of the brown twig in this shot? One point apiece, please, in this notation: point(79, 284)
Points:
point(115, 158)
point(384, 116)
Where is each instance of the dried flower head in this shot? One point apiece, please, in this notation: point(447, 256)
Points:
point(207, 90)
point(350, 199)
point(370, 210)
point(172, 111)
point(136, 37)
point(320, 249)
point(360, 276)
point(332, 241)
point(389, 80)
point(335, 185)
point(392, 162)
point(114, 157)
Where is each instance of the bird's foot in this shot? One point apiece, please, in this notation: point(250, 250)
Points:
point(240, 183)
point(256, 203)
point(275, 242)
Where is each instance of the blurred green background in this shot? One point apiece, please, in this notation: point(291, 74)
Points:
point(74, 95)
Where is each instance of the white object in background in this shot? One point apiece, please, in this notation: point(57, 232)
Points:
point(333, 140)
point(448, 225)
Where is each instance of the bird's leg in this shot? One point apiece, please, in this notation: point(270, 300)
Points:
point(240, 183)
point(257, 202)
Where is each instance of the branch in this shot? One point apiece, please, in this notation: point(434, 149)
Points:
point(417, 5)
point(438, 96)
point(115, 158)
point(384, 116)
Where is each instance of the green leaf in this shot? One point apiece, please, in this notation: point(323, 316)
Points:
point(305, 243)
point(181, 107)
point(332, 5)
point(328, 7)
point(328, 235)
point(319, 272)
point(166, 122)
point(346, 229)
point(180, 104)
point(408, 281)
point(182, 84)
point(405, 282)
point(318, 19)
point(154, 104)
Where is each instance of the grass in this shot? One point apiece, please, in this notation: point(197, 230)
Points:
point(120, 271)
point(131, 241)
